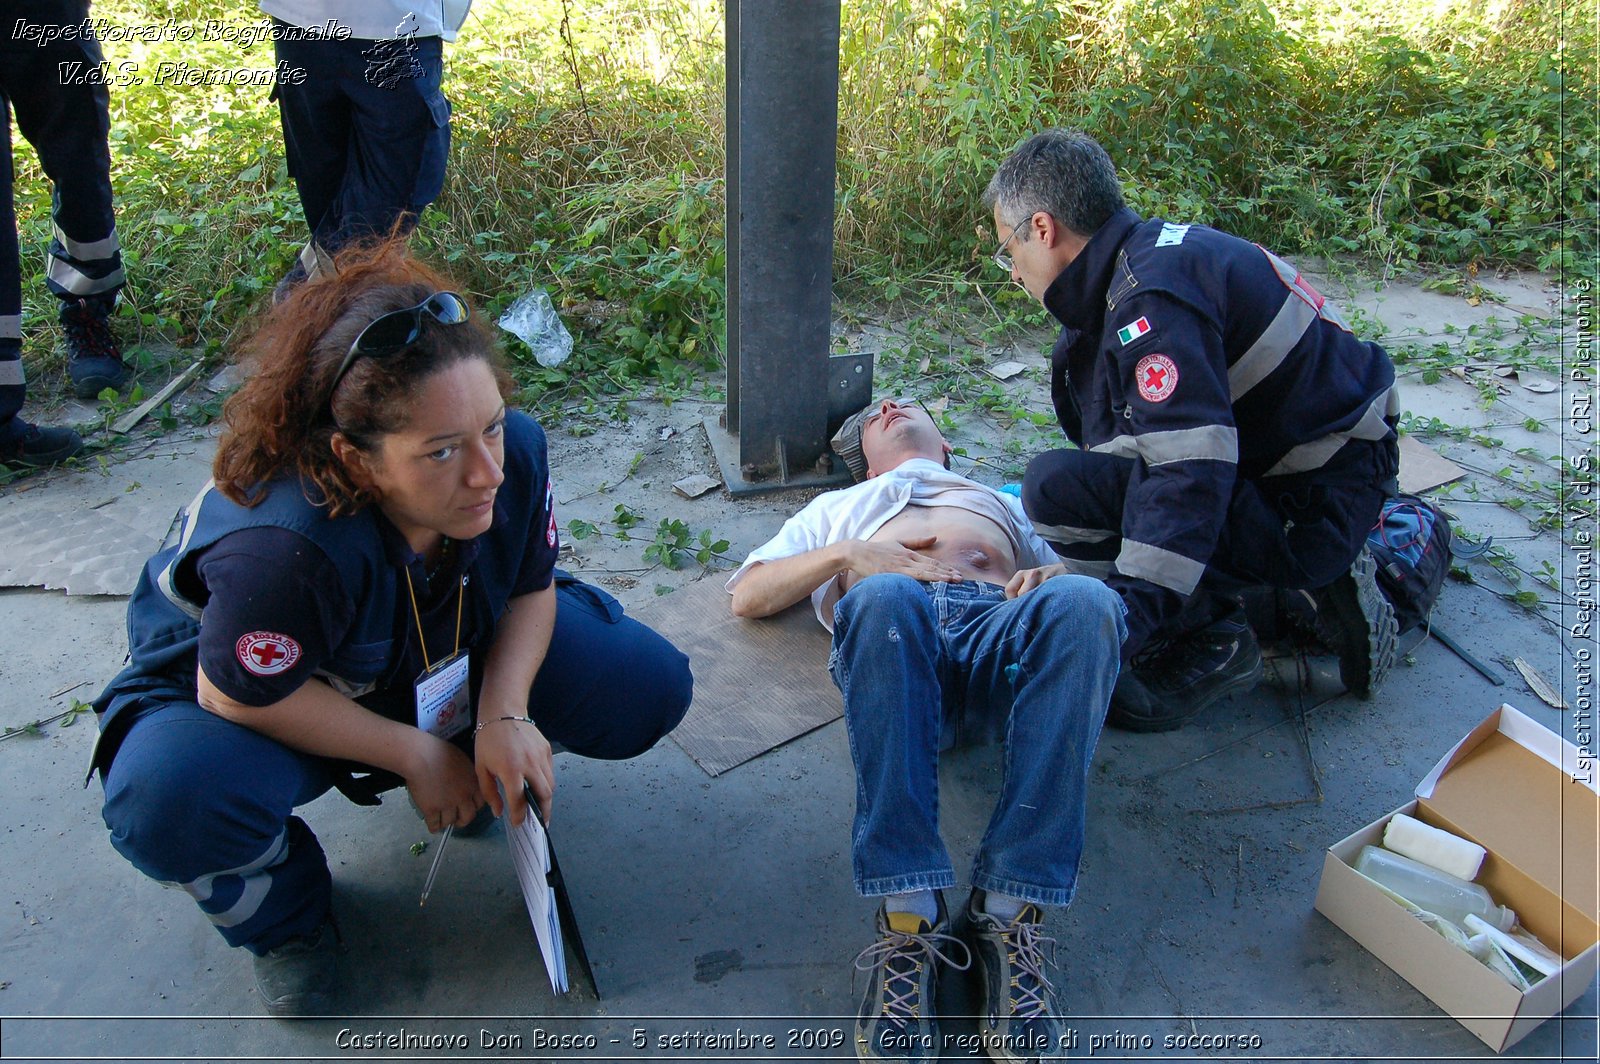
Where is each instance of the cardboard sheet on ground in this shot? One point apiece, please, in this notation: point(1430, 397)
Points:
point(1421, 467)
point(90, 532)
point(757, 684)
point(83, 551)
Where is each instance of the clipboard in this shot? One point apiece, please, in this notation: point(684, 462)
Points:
point(544, 892)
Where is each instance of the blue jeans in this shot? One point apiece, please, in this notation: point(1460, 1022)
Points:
point(924, 666)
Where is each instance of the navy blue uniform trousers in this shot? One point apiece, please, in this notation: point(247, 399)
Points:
point(64, 114)
point(206, 805)
point(366, 134)
point(1297, 531)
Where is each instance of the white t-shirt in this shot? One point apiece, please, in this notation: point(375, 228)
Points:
point(374, 20)
point(859, 511)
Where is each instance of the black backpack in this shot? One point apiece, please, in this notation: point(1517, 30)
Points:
point(1411, 544)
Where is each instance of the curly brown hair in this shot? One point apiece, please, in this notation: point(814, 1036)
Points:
point(282, 420)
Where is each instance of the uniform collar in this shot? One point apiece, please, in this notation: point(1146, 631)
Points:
point(1077, 297)
point(399, 553)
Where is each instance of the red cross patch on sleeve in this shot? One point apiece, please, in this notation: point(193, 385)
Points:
point(267, 653)
point(1156, 377)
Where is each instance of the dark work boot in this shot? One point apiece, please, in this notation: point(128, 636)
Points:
point(297, 978)
point(38, 445)
point(1357, 623)
point(94, 361)
point(1173, 680)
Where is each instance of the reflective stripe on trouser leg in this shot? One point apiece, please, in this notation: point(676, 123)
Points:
point(68, 124)
point(230, 897)
point(199, 802)
point(1075, 499)
point(12, 390)
point(73, 278)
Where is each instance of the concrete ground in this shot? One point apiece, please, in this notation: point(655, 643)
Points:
point(719, 912)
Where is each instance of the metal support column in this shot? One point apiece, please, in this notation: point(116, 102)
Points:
point(785, 394)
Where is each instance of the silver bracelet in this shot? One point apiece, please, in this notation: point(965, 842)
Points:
point(482, 724)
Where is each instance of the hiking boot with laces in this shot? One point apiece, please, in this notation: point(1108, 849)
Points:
point(896, 1020)
point(1019, 1021)
point(94, 361)
point(1173, 680)
point(38, 445)
point(1357, 623)
point(297, 978)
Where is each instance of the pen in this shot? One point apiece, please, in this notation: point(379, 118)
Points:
point(438, 855)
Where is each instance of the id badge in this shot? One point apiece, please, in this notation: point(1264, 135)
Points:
point(444, 703)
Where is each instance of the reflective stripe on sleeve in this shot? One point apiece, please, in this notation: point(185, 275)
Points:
point(1315, 454)
point(1217, 443)
point(10, 326)
point(1272, 346)
point(1121, 446)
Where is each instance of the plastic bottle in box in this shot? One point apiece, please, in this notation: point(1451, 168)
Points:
point(1428, 888)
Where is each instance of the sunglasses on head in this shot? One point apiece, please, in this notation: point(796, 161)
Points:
point(391, 332)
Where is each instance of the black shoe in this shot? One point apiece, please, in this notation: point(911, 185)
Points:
point(896, 1021)
point(1357, 623)
point(298, 977)
point(1173, 680)
point(94, 361)
point(1020, 1022)
point(40, 445)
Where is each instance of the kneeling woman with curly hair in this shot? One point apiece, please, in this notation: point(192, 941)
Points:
point(366, 596)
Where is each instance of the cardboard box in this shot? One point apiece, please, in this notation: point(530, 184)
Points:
point(1528, 797)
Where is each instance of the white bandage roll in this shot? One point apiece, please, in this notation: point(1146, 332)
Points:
point(1444, 851)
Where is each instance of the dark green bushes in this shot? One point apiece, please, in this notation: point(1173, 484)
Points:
point(588, 150)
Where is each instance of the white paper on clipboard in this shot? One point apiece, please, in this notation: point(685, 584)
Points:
point(530, 855)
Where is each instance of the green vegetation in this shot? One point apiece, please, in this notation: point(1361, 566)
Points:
point(588, 154)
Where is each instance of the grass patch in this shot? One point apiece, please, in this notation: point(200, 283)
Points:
point(587, 155)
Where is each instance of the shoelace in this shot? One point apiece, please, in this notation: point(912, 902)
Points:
point(88, 332)
point(900, 1003)
point(1025, 954)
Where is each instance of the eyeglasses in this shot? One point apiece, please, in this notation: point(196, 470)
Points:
point(1001, 259)
point(901, 402)
point(390, 332)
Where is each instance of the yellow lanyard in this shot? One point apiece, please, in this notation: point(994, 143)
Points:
point(422, 640)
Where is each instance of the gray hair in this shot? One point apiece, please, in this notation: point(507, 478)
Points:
point(1064, 173)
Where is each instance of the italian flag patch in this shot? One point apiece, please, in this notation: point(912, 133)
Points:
point(1133, 330)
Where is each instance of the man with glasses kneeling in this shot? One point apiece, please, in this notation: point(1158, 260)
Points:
point(945, 631)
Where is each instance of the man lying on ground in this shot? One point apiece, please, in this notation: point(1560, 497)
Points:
point(945, 631)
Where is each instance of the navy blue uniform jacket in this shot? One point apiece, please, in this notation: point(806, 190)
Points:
point(1205, 358)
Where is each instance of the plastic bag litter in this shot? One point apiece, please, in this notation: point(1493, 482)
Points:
point(534, 321)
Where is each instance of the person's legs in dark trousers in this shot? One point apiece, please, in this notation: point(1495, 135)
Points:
point(68, 124)
point(1303, 532)
point(206, 805)
point(28, 78)
point(366, 141)
point(13, 387)
point(610, 687)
